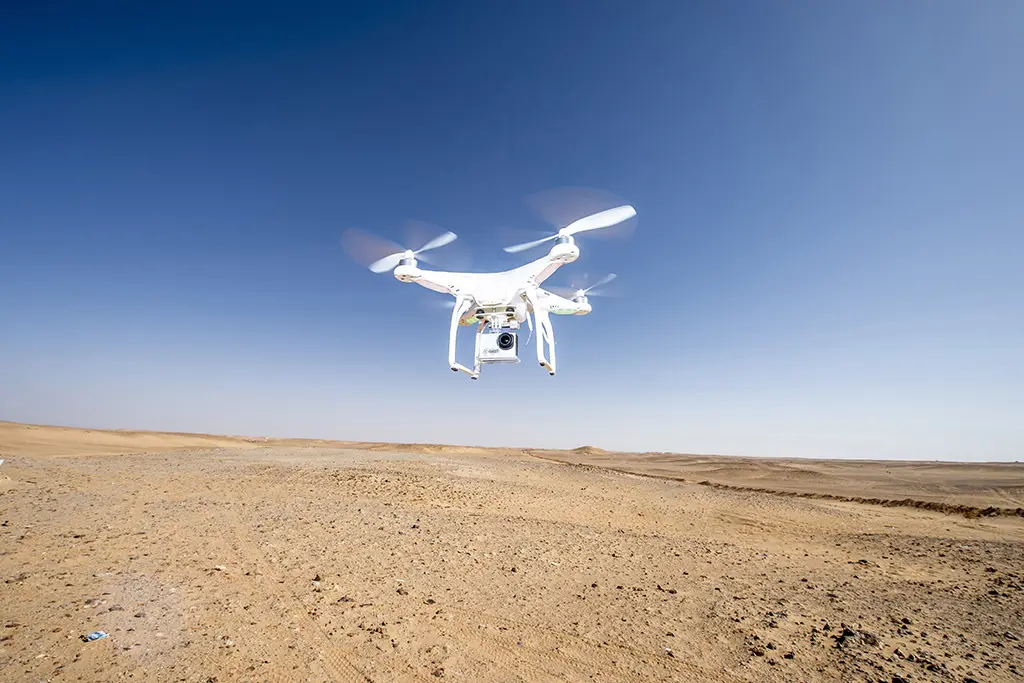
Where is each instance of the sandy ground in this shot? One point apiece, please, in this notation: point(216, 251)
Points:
point(236, 559)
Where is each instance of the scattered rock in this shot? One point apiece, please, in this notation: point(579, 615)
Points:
point(850, 636)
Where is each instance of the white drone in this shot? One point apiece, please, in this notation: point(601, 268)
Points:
point(498, 303)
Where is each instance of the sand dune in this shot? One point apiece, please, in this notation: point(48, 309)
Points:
point(233, 558)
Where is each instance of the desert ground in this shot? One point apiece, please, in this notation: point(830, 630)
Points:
point(217, 558)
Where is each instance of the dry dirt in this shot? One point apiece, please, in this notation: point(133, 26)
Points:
point(232, 559)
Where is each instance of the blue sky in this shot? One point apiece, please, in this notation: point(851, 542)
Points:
point(827, 260)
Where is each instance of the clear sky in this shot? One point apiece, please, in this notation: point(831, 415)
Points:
point(828, 258)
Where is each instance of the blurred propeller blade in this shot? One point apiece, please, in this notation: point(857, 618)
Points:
point(365, 248)
point(583, 289)
point(603, 281)
point(516, 248)
point(381, 255)
point(439, 241)
point(387, 263)
point(603, 219)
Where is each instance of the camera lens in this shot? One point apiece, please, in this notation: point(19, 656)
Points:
point(506, 341)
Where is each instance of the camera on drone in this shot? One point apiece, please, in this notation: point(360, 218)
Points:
point(497, 345)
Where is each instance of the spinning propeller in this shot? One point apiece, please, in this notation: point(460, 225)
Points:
point(602, 219)
point(381, 255)
point(572, 292)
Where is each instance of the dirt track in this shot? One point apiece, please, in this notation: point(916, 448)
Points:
point(250, 560)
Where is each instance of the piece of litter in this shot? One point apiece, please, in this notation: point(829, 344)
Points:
point(95, 635)
point(219, 567)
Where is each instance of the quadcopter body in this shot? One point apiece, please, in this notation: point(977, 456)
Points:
point(498, 303)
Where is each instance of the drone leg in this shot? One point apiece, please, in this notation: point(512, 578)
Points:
point(545, 334)
point(461, 306)
point(476, 366)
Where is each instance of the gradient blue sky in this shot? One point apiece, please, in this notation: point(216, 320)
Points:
point(827, 261)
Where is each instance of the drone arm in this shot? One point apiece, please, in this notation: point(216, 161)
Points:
point(438, 281)
point(545, 269)
point(462, 305)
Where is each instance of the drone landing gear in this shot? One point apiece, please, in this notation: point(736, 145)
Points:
point(545, 334)
point(461, 306)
